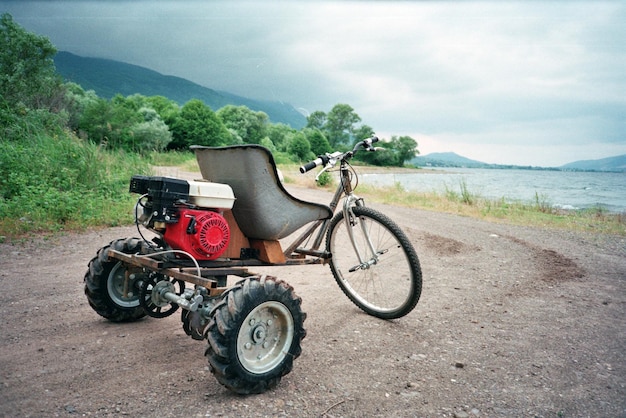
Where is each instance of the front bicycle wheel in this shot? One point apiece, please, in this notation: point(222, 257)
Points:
point(378, 269)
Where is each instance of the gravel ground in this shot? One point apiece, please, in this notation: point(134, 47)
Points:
point(513, 321)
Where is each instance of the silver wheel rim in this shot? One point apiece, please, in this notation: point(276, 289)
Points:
point(125, 297)
point(368, 286)
point(265, 337)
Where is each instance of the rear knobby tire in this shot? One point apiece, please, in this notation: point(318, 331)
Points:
point(387, 285)
point(255, 334)
point(109, 288)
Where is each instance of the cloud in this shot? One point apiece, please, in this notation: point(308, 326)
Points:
point(474, 74)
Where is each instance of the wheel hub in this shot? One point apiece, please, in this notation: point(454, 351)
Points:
point(122, 286)
point(258, 334)
point(151, 297)
point(265, 337)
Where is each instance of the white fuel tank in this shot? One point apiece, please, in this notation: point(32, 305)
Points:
point(206, 194)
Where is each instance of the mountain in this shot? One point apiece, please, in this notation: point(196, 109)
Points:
point(450, 159)
point(108, 78)
point(617, 163)
point(446, 159)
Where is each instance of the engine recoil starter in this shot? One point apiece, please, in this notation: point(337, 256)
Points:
point(202, 233)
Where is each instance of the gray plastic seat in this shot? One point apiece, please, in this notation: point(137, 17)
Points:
point(263, 208)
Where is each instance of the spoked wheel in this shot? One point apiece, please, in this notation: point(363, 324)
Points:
point(255, 334)
point(150, 295)
point(113, 288)
point(379, 270)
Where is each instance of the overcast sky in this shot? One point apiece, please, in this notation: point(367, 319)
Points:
point(529, 83)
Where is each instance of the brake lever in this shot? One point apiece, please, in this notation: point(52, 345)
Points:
point(322, 171)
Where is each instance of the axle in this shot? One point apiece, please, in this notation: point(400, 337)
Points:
point(189, 302)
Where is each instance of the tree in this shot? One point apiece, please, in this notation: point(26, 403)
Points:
point(123, 122)
point(246, 124)
point(395, 153)
point(77, 100)
point(197, 124)
point(27, 74)
point(167, 109)
point(299, 147)
point(384, 157)
point(110, 123)
point(339, 127)
point(363, 132)
point(267, 143)
point(316, 120)
point(405, 149)
point(280, 134)
point(124, 116)
point(151, 135)
point(94, 120)
point(319, 143)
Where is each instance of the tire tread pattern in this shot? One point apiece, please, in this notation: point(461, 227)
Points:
point(226, 320)
point(97, 275)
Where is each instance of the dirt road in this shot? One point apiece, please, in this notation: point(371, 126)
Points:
point(513, 321)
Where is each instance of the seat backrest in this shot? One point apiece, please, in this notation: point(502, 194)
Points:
point(263, 208)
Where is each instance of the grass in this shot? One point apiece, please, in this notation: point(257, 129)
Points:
point(172, 158)
point(519, 213)
point(465, 195)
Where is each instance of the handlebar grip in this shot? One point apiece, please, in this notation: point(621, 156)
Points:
point(369, 141)
point(311, 165)
point(320, 160)
point(366, 144)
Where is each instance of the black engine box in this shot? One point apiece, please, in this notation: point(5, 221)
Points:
point(163, 193)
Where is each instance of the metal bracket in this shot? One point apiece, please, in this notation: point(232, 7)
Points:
point(246, 253)
point(184, 274)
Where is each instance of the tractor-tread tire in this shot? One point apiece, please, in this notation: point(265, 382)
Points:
point(97, 276)
point(227, 319)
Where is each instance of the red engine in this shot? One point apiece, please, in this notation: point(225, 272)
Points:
point(202, 233)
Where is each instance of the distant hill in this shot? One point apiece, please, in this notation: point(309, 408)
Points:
point(617, 163)
point(451, 159)
point(446, 159)
point(108, 78)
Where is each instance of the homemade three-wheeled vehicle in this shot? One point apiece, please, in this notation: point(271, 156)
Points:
point(235, 218)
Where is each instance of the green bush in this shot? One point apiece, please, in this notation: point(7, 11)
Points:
point(51, 182)
point(325, 179)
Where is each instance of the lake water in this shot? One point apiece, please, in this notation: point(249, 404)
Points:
point(565, 189)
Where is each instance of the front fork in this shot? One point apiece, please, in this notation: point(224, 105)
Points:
point(350, 219)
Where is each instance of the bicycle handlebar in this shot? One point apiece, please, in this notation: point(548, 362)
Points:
point(369, 141)
point(325, 158)
point(320, 160)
